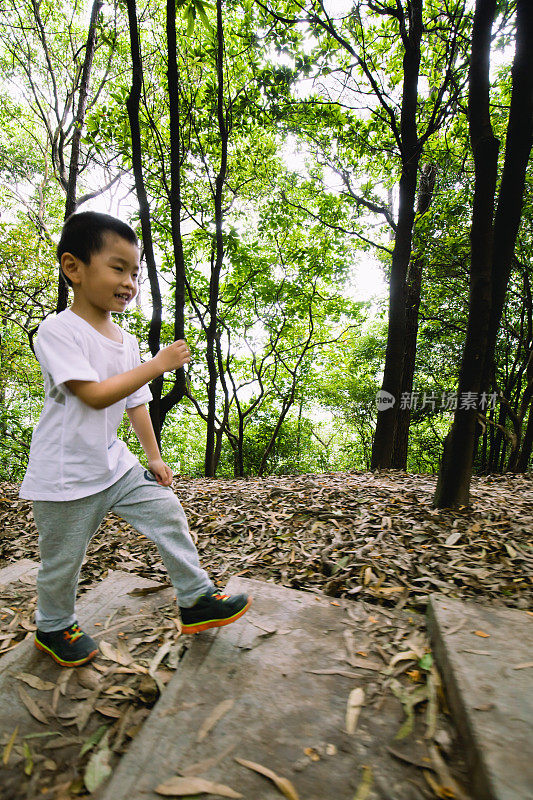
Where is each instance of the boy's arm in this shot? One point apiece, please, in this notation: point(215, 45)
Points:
point(101, 394)
point(142, 425)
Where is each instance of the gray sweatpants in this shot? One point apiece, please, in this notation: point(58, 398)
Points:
point(66, 527)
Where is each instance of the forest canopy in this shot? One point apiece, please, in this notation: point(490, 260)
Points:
point(269, 152)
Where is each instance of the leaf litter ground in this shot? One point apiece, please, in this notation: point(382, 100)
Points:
point(371, 537)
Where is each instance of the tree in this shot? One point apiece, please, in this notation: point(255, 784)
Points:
point(406, 123)
point(491, 246)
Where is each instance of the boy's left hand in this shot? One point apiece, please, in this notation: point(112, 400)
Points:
point(161, 470)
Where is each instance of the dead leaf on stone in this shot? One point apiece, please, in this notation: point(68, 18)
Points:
point(217, 714)
point(356, 700)
point(283, 784)
point(476, 652)
point(113, 654)
point(207, 763)
point(88, 677)
point(183, 786)
point(484, 707)
point(142, 591)
point(482, 634)
point(32, 706)
point(35, 682)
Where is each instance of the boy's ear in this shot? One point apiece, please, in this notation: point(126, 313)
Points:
point(70, 265)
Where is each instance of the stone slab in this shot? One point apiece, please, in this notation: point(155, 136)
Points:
point(491, 700)
point(20, 569)
point(260, 665)
point(96, 605)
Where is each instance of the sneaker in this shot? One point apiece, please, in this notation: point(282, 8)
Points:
point(213, 610)
point(70, 647)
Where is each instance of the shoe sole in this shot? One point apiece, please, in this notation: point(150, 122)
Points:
point(40, 646)
point(196, 627)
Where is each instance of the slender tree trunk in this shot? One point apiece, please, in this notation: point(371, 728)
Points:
point(74, 166)
point(414, 285)
point(394, 357)
point(453, 486)
point(519, 140)
point(179, 386)
point(491, 267)
point(132, 105)
point(527, 445)
point(219, 254)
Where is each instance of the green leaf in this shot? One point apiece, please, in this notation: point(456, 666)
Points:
point(28, 765)
point(203, 16)
point(98, 767)
point(426, 661)
point(191, 18)
point(93, 739)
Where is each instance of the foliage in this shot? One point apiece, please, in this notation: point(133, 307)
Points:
point(313, 162)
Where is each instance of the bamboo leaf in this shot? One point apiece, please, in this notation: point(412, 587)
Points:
point(181, 787)
point(283, 784)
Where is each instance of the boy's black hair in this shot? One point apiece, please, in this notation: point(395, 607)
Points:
point(83, 235)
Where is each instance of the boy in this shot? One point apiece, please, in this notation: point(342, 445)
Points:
point(78, 470)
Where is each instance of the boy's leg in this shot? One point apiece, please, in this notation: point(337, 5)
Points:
point(65, 529)
point(156, 512)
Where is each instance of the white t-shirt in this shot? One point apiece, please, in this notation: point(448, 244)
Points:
point(74, 449)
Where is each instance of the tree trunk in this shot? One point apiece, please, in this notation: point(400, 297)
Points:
point(394, 357)
point(219, 254)
point(178, 388)
point(414, 284)
point(527, 445)
point(453, 486)
point(132, 105)
point(70, 203)
point(459, 447)
point(517, 151)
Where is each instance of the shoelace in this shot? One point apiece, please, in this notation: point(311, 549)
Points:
point(76, 633)
point(221, 596)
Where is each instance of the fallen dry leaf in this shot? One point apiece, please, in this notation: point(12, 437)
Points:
point(356, 700)
point(113, 654)
point(9, 745)
point(32, 706)
point(207, 763)
point(180, 787)
point(283, 784)
point(217, 713)
point(35, 682)
point(482, 634)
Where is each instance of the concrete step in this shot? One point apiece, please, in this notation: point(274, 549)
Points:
point(23, 568)
point(245, 690)
point(94, 608)
point(489, 689)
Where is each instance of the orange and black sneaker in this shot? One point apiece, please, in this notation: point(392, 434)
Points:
point(70, 647)
point(213, 610)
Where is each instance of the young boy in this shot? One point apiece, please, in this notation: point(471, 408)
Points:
point(78, 470)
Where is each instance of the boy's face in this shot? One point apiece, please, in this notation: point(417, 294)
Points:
point(110, 281)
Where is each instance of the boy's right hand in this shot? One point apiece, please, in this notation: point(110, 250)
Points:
point(174, 356)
